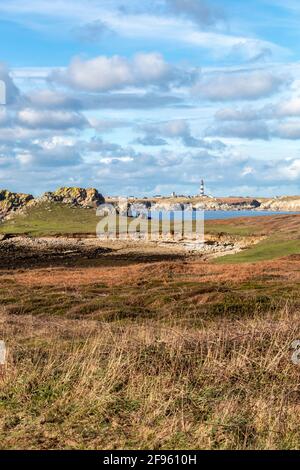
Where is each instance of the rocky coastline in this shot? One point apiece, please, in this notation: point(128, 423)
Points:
point(11, 202)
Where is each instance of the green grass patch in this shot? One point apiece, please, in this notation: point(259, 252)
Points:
point(266, 250)
point(226, 229)
point(52, 219)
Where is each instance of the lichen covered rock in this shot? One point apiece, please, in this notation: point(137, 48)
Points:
point(11, 202)
point(284, 203)
point(75, 196)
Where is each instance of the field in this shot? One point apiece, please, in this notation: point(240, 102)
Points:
point(52, 219)
point(281, 236)
point(147, 348)
point(281, 232)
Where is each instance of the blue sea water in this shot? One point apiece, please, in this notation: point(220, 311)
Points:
point(217, 215)
point(214, 215)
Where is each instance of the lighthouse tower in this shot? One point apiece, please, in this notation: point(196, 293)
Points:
point(202, 193)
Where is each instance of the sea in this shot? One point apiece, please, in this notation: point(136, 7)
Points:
point(217, 215)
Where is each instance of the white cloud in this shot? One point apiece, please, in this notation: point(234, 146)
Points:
point(288, 130)
point(248, 170)
point(11, 135)
point(60, 120)
point(270, 111)
point(107, 125)
point(175, 129)
point(55, 156)
point(8, 89)
point(38, 138)
point(242, 130)
point(285, 170)
point(51, 99)
point(25, 158)
point(232, 114)
point(72, 100)
point(292, 170)
point(55, 141)
point(110, 73)
point(250, 85)
point(289, 107)
point(172, 129)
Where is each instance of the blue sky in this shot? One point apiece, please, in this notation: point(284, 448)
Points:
point(148, 97)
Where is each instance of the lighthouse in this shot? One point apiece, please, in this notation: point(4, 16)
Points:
point(202, 193)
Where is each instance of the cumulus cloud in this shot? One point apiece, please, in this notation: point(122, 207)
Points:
point(69, 100)
point(271, 111)
point(279, 171)
point(230, 86)
point(292, 170)
point(97, 144)
point(176, 129)
point(39, 142)
point(261, 123)
point(241, 130)
point(132, 172)
point(233, 114)
point(9, 91)
point(288, 130)
point(173, 171)
point(60, 120)
point(107, 125)
point(15, 134)
point(252, 129)
point(111, 73)
point(56, 156)
point(51, 99)
point(290, 107)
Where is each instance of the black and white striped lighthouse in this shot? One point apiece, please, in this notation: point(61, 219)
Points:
point(202, 193)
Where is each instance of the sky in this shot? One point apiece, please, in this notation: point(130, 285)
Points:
point(144, 97)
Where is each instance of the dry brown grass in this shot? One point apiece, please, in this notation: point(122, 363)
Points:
point(82, 384)
point(112, 276)
point(172, 355)
point(192, 269)
point(263, 225)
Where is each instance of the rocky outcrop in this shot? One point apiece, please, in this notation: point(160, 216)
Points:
point(164, 206)
point(282, 204)
point(75, 196)
point(209, 204)
point(11, 202)
point(228, 204)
